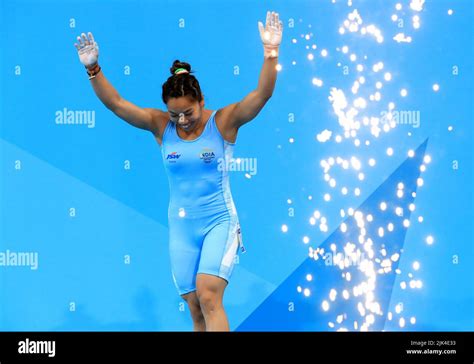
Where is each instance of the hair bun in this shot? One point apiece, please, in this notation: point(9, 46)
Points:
point(177, 64)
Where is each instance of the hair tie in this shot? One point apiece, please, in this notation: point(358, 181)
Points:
point(181, 70)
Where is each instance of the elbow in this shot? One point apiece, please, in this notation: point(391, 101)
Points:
point(265, 96)
point(113, 105)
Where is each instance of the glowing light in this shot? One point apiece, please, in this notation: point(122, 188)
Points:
point(417, 5)
point(403, 285)
point(406, 223)
point(305, 240)
point(435, 87)
point(345, 49)
point(429, 239)
point(327, 197)
point(450, 12)
point(344, 190)
point(399, 193)
point(381, 232)
point(403, 92)
point(420, 219)
point(324, 53)
point(398, 6)
point(399, 308)
point(413, 320)
point(324, 136)
point(284, 228)
point(427, 159)
point(372, 162)
point(309, 277)
point(419, 181)
point(332, 295)
point(182, 212)
point(401, 38)
point(343, 227)
point(310, 56)
point(317, 82)
point(390, 151)
point(411, 207)
point(325, 305)
point(306, 292)
point(383, 206)
point(390, 227)
point(416, 265)
point(402, 322)
point(411, 153)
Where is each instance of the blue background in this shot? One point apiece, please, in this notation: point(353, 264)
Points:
point(83, 282)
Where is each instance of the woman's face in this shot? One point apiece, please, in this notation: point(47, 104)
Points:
point(185, 112)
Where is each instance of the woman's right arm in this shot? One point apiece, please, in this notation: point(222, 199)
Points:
point(150, 119)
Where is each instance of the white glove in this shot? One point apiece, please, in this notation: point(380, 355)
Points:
point(88, 49)
point(271, 35)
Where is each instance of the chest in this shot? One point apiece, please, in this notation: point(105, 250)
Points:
point(204, 155)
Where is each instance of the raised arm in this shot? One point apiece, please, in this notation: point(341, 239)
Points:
point(237, 114)
point(144, 118)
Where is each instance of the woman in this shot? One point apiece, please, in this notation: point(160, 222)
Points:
point(204, 229)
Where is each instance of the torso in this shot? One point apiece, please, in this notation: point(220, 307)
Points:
point(199, 185)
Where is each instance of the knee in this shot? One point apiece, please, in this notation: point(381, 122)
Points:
point(209, 301)
point(196, 312)
point(195, 309)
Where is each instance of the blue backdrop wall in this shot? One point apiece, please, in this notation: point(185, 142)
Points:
point(356, 216)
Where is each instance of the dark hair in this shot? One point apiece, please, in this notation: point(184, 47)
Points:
point(183, 84)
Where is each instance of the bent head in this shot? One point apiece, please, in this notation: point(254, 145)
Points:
point(185, 112)
point(183, 97)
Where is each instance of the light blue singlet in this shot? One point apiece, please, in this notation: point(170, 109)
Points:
point(204, 229)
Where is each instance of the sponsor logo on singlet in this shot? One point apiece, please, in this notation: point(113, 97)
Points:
point(173, 157)
point(207, 155)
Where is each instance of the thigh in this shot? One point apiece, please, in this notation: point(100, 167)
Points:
point(220, 248)
point(185, 245)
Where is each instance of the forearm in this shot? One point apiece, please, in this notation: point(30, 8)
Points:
point(105, 91)
point(268, 76)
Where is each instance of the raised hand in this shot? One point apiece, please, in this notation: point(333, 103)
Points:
point(88, 49)
point(271, 34)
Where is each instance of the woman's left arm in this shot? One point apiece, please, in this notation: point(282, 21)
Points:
point(237, 114)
